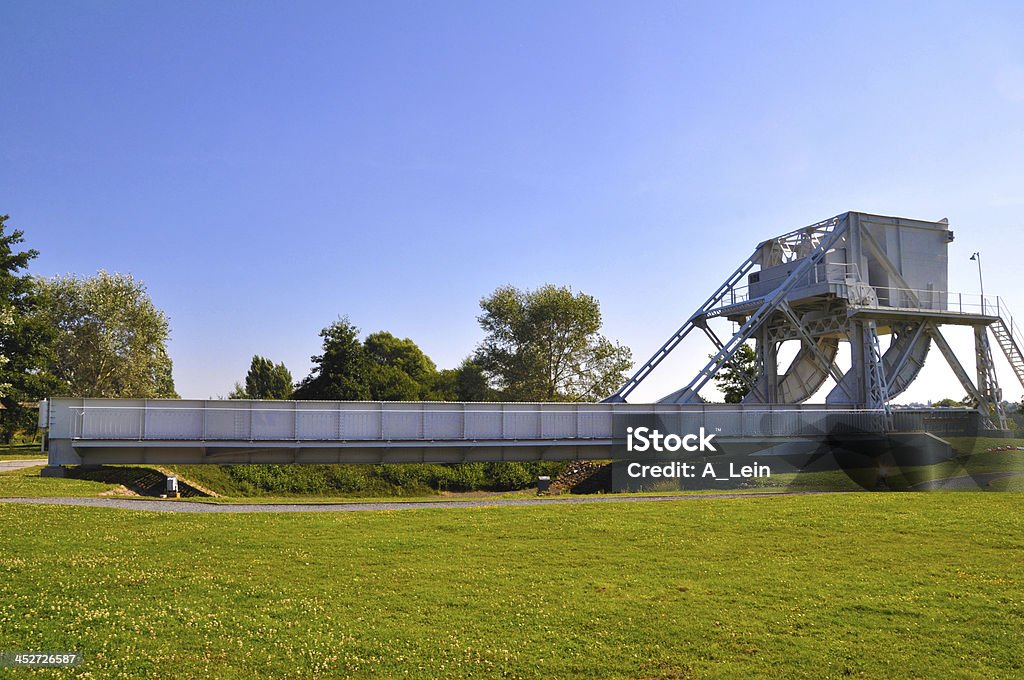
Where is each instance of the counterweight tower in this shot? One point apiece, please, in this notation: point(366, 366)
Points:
point(852, 278)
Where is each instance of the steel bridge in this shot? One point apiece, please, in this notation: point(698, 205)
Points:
point(852, 278)
point(122, 431)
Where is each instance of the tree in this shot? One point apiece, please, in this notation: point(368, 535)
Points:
point(1016, 414)
point(110, 340)
point(471, 383)
point(265, 380)
point(340, 372)
point(387, 383)
point(544, 345)
point(465, 383)
point(736, 377)
point(383, 367)
point(398, 369)
point(24, 340)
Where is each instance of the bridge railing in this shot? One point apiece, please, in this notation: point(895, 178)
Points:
point(326, 421)
point(241, 420)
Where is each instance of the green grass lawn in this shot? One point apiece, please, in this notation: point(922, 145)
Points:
point(864, 585)
point(26, 483)
point(981, 463)
point(979, 444)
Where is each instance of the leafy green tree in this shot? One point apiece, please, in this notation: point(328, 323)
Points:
point(735, 378)
point(471, 383)
point(1016, 414)
point(544, 345)
point(110, 340)
point(382, 367)
point(385, 349)
point(465, 383)
point(265, 380)
point(398, 369)
point(24, 339)
point(388, 383)
point(340, 373)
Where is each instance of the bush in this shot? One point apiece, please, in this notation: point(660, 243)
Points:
point(466, 477)
point(508, 476)
point(377, 480)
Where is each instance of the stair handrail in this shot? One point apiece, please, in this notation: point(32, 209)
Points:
point(1010, 323)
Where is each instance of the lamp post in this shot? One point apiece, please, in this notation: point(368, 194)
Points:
point(981, 281)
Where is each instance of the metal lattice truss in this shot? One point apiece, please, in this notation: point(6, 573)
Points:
point(837, 281)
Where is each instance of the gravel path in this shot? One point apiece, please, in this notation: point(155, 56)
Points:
point(17, 464)
point(193, 506)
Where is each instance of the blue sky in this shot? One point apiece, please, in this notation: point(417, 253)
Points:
point(267, 167)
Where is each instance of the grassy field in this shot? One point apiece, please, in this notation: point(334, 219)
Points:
point(979, 444)
point(863, 585)
point(26, 483)
point(981, 463)
point(216, 479)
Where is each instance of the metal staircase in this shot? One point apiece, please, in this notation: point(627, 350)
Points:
point(726, 290)
point(1009, 339)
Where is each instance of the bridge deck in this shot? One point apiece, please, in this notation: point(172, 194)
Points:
point(108, 431)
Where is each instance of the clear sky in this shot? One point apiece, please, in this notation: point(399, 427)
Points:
point(267, 167)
